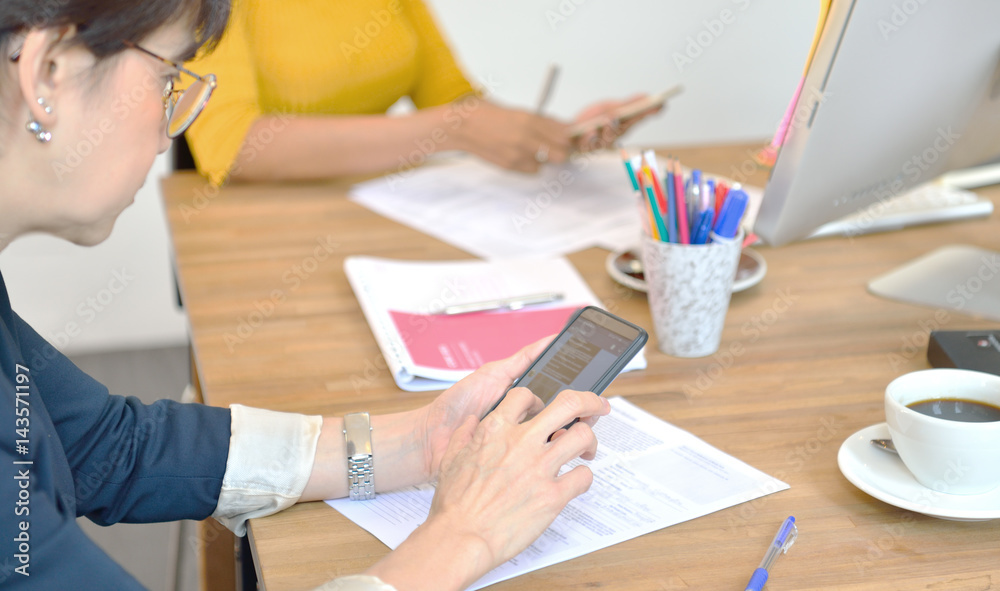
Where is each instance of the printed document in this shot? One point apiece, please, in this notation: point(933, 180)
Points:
point(648, 475)
point(495, 213)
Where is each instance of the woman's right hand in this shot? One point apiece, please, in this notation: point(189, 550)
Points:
point(510, 138)
point(499, 488)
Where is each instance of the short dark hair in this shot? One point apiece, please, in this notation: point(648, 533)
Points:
point(102, 25)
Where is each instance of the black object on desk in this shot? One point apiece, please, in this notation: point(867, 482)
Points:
point(975, 350)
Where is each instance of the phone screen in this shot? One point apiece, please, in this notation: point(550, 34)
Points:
point(581, 356)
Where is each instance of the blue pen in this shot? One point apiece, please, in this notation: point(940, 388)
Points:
point(702, 227)
point(728, 222)
point(781, 543)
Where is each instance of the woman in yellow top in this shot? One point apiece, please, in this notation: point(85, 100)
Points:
point(304, 86)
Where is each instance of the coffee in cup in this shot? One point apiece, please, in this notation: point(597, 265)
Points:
point(945, 424)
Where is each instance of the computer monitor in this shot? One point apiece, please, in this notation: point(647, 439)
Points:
point(897, 92)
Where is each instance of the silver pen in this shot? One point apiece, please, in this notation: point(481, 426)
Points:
point(512, 303)
point(550, 83)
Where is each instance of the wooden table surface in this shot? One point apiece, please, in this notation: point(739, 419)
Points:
point(275, 324)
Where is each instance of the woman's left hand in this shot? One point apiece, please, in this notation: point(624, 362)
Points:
point(613, 127)
point(472, 396)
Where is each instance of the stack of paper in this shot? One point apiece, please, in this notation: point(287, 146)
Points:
point(426, 350)
point(648, 475)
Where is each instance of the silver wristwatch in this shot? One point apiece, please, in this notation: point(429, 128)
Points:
point(360, 468)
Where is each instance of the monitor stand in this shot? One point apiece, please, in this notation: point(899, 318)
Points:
point(961, 278)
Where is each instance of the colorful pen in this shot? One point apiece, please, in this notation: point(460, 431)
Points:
point(648, 206)
point(781, 543)
point(683, 237)
point(657, 218)
point(652, 168)
point(671, 205)
point(728, 222)
point(721, 190)
point(629, 170)
point(702, 227)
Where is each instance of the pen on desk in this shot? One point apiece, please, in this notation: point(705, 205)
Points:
point(550, 82)
point(781, 543)
point(512, 303)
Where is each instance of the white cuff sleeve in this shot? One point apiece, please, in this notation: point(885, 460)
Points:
point(270, 459)
point(355, 583)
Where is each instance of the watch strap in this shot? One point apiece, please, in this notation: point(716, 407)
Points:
point(360, 465)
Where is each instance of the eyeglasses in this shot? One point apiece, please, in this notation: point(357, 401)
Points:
point(182, 105)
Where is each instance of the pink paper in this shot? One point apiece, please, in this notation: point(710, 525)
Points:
point(467, 341)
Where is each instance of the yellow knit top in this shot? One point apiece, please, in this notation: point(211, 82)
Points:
point(312, 57)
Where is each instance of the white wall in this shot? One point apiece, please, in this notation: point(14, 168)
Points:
point(113, 296)
point(737, 84)
point(744, 65)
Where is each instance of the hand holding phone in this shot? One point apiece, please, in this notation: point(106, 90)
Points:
point(625, 112)
point(587, 355)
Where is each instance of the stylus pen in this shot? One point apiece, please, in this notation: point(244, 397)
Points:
point(781, 543)
point(513, 303)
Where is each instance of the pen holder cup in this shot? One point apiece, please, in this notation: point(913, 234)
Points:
point(689, 286)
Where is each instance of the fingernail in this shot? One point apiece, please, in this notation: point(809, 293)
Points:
point(607, 405)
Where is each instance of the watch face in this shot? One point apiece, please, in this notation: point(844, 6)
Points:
point(358, 434)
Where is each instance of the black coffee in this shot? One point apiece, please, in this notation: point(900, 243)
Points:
point(956, 409)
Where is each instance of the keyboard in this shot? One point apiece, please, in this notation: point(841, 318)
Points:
point(924, 204)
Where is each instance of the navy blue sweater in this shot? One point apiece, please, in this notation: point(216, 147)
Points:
point(68, 448)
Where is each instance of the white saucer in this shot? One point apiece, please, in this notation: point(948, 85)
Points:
point(751, 270)
point(883, 476)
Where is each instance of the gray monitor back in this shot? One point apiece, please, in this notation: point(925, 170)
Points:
point(898, 92)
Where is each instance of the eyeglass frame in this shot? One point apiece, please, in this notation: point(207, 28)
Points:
point(171, 95)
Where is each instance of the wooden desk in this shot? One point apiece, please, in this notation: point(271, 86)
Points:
point(275, 324)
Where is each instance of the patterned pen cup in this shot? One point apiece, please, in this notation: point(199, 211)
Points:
point(689, 286)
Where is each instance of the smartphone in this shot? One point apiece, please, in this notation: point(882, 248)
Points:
point(589, 353)
point(626, 111)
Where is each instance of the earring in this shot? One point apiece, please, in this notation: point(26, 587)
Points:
point(41, 134)
point(45, 107)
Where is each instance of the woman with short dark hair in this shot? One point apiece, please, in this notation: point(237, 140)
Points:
point(93, 80)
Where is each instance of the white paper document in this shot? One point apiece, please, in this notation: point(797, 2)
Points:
point(648, 475)
point(496, 213)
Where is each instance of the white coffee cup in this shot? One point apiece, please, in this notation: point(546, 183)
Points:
point(945, 455)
